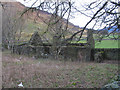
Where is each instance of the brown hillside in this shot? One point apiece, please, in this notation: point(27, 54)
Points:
point(44, 16)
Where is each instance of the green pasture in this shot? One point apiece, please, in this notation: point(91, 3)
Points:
point(107, 44)
point(104, 43)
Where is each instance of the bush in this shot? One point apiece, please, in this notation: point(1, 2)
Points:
point(99, 57)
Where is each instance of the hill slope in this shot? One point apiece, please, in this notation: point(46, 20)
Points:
point(34, 23)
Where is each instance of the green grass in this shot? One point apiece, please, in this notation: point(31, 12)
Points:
point(103, 43)
point(107, 44)
point(31, 27)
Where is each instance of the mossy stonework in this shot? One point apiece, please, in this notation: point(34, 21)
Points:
point(70, 51)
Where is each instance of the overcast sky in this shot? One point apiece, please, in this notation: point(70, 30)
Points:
point(79, 19)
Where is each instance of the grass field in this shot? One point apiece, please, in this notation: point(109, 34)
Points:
point(107, 44)
point(45, 73)
point(104, 43)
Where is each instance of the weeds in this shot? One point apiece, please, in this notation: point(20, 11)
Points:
point(54, 74)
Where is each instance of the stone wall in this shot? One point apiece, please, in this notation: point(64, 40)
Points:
point(67, 52)
point(109, 53)
point(74, 53)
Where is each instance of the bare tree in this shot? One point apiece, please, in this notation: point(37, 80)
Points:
point(104, 13)
point(11, 24)
point(57, 26)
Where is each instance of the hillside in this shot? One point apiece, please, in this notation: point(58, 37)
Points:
point(34, 23)
point(114, 29)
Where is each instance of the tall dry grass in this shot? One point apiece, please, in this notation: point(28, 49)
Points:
point(50, 73)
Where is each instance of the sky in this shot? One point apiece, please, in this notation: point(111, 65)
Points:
point(78, 20)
